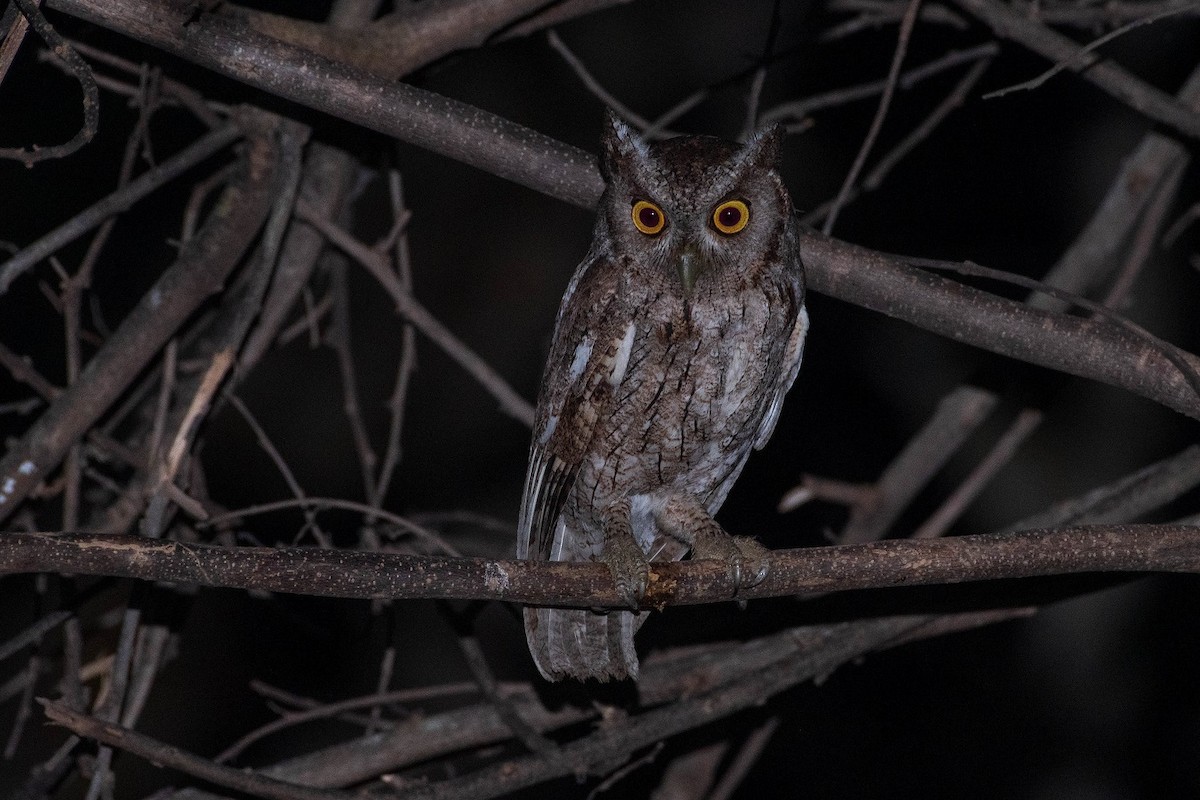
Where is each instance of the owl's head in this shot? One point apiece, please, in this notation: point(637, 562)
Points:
point(701, 213)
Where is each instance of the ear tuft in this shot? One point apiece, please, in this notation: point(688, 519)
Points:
point(765, 147)
point(619, 144)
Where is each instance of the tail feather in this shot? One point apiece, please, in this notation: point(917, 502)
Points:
point(582, 644)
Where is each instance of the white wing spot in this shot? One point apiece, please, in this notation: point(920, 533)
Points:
point(26, 468)
point(621, 362)
point(582, 353)
point(551, 424)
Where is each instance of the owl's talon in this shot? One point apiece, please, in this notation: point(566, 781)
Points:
point(754, 563)
point(625, 560)
point(746, 561)
point(631, 574)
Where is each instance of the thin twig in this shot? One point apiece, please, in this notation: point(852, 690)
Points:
point(320, 503)
point(1127, 498)
point(593, 85)
point(511, 403)
point(906, 28)
point(116, 202)
point(747, 754)
point(489, 686)
point(264, 441)
point(408, 342)
point(1000, 454)
point(33, 633)
point(799, 109)
point(1145, 237)
point(1143, 98)
point(958, 415)
point(876, 176)
point(339, 339)
point(1079, 58)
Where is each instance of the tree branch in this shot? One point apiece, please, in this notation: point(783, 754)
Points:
point(202, 267)
point(1133, 92)
point(1085, 348)
point(166, 755)
point(120, 200)
point(358, 574)
point(423, 118)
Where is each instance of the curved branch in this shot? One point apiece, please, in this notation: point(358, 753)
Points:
point(358, 574)
point(81, 72)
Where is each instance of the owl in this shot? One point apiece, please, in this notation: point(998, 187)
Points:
point(677, 339)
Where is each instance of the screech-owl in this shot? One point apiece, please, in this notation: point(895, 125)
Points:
point(677, 338)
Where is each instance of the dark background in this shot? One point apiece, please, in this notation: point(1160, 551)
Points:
point(1095, 697)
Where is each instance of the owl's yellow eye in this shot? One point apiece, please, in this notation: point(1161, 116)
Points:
point(648, 218)
point(731, 216)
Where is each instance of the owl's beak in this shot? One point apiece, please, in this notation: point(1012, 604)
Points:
point(690, 265)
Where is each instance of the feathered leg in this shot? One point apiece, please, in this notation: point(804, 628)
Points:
point(686, 519)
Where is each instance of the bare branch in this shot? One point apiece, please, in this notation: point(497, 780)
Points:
point(358, 574)
point(885, 100)
point(116, 202)
point(79, 70)
point(1088, 348)
point(459, 131)
point(165, 755)
point(1135, 93)
point(423, 118)
point(415, 35)
point(1081, 54)
point(201, 268)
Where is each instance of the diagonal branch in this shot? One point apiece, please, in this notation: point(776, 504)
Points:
point(1148, 100)
point(168, 756)
point(203, 265)
point(118, 201)
point(1079, 347)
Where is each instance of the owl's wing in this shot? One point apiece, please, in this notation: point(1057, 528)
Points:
point(788, 371)
point(586, 364)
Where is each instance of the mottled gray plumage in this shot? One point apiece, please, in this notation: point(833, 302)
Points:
point(673, 348)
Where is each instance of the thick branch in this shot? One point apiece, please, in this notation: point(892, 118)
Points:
point(1085, 348)
point(445, 126)
point(1088, 348)
point(417, 34)
point(358, 574)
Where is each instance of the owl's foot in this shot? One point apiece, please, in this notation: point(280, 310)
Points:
point(686, 519)
point(624, 558)
point(746, 560)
